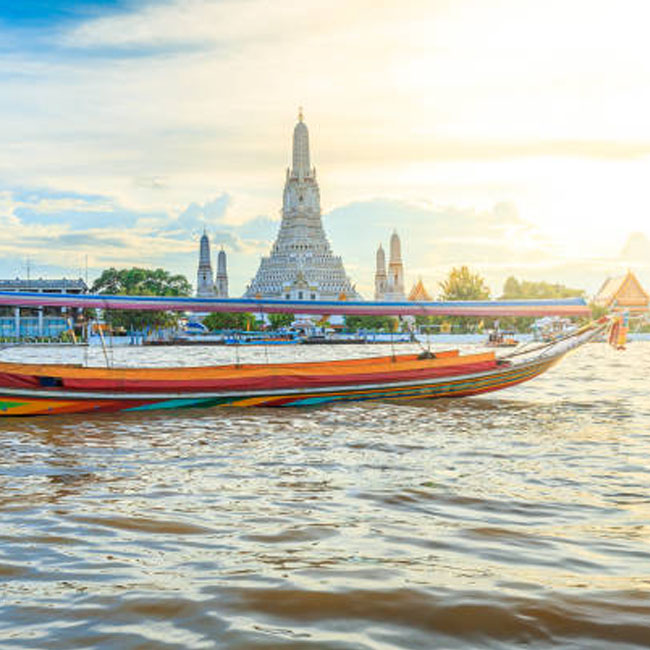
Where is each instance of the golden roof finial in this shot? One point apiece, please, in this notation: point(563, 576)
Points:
point(300, 116)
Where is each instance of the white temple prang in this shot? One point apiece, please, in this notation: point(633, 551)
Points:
point(221, 285)
point(204, 277)
point(301, 261)
point(390, 285)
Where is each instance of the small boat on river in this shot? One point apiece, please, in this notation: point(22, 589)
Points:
point(502, 339)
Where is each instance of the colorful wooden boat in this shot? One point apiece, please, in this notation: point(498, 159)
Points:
point(32, 389)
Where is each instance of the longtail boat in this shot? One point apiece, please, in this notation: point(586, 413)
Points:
point(47, 389)
point(31, 389)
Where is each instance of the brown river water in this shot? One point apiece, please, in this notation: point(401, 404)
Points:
point(520, 518)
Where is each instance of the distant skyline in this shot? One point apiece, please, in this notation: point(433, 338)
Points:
point(509, 135)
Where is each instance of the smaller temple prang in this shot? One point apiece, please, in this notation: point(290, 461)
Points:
point(389, 284)
point(395, 283)
point(204, 277)
point(380, 274)
point(222, 275)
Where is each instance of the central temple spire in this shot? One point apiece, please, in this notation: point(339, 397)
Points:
point(301, 263)
point(300, 163)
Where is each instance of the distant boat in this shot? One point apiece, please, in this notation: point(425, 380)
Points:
point(261, 339)
point(502, 339)
point(551, 328)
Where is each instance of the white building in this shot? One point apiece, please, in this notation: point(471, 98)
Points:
point(49, 322)
point(301, 261)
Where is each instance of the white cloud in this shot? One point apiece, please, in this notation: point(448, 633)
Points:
point(450, 103)
point(497, 242)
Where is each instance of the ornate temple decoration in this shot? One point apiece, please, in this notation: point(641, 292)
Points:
point(301, 261)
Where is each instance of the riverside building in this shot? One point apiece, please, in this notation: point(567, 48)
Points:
point(301, 264)
point(623, 293)
point(39, 322)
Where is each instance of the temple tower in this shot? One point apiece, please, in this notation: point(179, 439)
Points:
point(204, 277)
point(222, 275)
point(395, 270)
point(301, 245)
point(300, 158)
point(380, 274)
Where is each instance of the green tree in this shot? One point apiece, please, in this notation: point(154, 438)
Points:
point(226, 320)
point(514, 289)
point(429, 324)
point(140, 282)
point(377, 323)
point(462, 284)
point(597, 311)
point(281, 320)
point(511, 288)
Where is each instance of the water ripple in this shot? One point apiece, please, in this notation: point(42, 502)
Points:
point(513, 519)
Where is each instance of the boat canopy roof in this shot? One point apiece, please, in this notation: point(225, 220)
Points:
point(481, 308)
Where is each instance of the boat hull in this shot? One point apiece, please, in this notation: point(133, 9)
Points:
point(21, 401)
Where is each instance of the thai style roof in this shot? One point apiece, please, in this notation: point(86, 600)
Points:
point(419, 293)
point(623, 292)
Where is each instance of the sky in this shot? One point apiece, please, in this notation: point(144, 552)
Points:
point(509, 135)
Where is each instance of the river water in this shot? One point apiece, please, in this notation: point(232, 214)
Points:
point(515, 519)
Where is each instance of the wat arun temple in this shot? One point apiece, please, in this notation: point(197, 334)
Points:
point(301, 265)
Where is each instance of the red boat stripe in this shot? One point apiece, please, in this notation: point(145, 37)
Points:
point(277, 382)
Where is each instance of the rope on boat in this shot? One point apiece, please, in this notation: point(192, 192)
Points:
point(426, 350)
point(266, 346)
point(101, 338)
point(266, 353)
point(237, 359)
